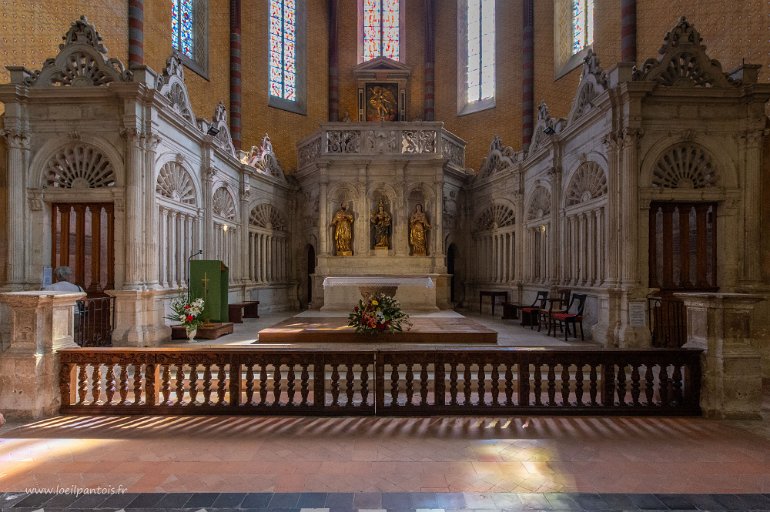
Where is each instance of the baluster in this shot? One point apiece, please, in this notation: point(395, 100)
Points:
point(482, 391)
point(123, 383)
point(277, 384)
point(194, 383)
point(593, 385)
point(495, 385)
point(551, 384)
point(110, 384)
point(263, 383)
point(608, 381)
point(579, 384)
point(677, 384)
point(394, 385)
point(452, 383)
point(524, 385)
point(350, 378)
point(82, 383)
point(335, 385)
point(467, 383)
point(165, 385)
point(65, 383)
point(508, 385)
point(538, 385)
point(621, 385)
point(150, 386)
point(409, 384)
point(207, 384)
point(221, 388)
point(649, 384)
point(96, 384)
point(663, 390)
point(303, 389)
point(424, 384)
point(137, 384)
point(565, 381)
point(364, 384)
point(250, 383)
point(635, 387)
point(290, 376)
point(179, 384)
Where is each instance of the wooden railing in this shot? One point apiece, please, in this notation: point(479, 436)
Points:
point(490, 380)
point(94, 321)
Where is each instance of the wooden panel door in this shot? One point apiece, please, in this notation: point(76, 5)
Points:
point(83, 238)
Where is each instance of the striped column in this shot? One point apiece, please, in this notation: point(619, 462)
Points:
point(235, 72)
point(528, 73)
point(430, 60)
point(334, 78)
point(628, 30)
point(135, 33)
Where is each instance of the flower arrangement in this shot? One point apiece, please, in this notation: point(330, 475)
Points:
point(189, 313)
point(378, 313)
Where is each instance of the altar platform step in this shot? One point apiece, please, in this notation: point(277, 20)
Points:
point(442, 328)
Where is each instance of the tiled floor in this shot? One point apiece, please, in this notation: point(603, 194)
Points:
point(346, 464)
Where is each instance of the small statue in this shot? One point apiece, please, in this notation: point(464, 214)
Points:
point(343, 231)
point(418, 227)
point(384, 103)
point(381, 220)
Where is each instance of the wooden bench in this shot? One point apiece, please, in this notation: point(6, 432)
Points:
point(240, 310)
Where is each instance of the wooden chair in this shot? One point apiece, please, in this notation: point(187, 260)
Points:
point(559, 305)
point(572, 315)
point(530, 315)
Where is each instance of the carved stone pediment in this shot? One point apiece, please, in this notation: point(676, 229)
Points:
point(382, 67)
point(683, 62)
point(82, 61)
point(171, 85)
point(545, 128)
point(593, 81)
point(498, 159)
point(218, 129)
point(263, 159)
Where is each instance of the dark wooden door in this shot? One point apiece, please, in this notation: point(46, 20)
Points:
point(683, 257)
point(83, 236)
point(310, 272)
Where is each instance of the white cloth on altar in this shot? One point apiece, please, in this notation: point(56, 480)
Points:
point(330, 282)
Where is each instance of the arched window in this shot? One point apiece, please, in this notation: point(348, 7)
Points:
point(286, 55)
point(574, 33)
point(188, 33)
point(381, 29)
point(476, 58)
point(582, 24)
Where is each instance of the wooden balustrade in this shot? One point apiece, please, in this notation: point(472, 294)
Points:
point(478, 380)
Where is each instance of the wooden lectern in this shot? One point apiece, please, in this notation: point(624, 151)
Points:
point(209, 279)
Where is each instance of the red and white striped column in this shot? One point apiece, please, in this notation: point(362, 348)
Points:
point(135, 33)
point(429, 113)
point(235, 72)
point(528, 72)
point(628, 30)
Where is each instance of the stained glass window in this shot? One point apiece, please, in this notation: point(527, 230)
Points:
point(582, 24)
point(381, 29)
point(283, 51)
point(182, 27)
point(480, 69)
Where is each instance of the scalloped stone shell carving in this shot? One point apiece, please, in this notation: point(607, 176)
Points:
point(685, 166)
point(79, 166)
point(175, 183)
point(540, 205)
point(266, 216)
point(223, 203)
point(496, 216)
point(588, 182)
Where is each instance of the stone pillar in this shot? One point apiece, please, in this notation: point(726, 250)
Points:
point(135, 33)
point(151, 241)
point(720, 323)
point(40, 324)
point(235, 73)
point(135, 219)
point(751, 271)
point(323, 219)
point(628, 30)
point(528, 72)
point(208, 218)
point(16, 217)
point(334, 74)
point(428, 112)
point(243, 251)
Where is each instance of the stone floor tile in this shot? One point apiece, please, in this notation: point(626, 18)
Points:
point(118, 501)
point(229, 500)
point(146, 500)
point(34, 501)
point(284, 500)
point(397, 501)
point(257, 500)
point(174, 500)
point(202, 500)
point(312, 499)
point(367, 500)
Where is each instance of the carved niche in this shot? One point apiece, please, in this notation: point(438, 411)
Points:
point(267, 217)
point(588, 183)
point(382, 85)
point(223, 204)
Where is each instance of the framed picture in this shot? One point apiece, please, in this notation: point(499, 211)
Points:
point(381, 101)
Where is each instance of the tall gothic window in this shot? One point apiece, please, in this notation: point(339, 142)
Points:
point(381, 29)
point(476, 27)
point(582, 24)
point(188, 33)
point(287, 55)
point(573, 33)
point(283, 52)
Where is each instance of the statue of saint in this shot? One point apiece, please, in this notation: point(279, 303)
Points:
point(381, 220)
point(418, 226)
point(343, 231)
